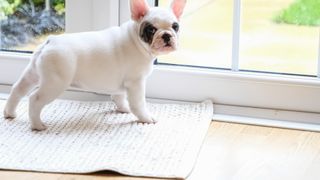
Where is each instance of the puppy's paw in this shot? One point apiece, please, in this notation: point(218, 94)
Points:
point(38, 127)
point(123, 109)
point(9, 115)
point(147, 119)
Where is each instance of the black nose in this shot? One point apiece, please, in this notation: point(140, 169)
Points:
point(166, 38)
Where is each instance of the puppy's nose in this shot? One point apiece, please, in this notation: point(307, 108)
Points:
point(166, 38)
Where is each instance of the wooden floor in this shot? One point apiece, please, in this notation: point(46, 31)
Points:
point(234, 152)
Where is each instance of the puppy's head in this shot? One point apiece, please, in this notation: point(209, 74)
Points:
point(158, 27)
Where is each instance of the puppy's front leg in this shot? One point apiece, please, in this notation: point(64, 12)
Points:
point(137, 101)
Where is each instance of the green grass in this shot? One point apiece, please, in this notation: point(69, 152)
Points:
point(301, 12)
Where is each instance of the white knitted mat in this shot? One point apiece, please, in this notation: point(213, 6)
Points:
point(85, 137)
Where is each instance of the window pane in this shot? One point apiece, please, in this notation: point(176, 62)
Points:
point(27, 23)
point(280, 36)
point(206, 34)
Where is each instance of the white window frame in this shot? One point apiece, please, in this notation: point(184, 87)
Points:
point(244, 97)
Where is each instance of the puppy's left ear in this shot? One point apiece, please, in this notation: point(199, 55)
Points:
point(177, 7)
point(139, 9)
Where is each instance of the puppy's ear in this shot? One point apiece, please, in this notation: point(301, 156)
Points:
point(138, 8)
point(177, 7)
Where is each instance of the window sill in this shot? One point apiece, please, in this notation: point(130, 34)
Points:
point(236, 88)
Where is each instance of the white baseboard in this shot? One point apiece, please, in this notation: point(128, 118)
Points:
point(267, 122)
point(268, 117)
point(275, 114)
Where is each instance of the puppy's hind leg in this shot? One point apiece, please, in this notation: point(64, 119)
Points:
point(49, 89)
point(28, 80)
point(23, 86)
point(121, 102)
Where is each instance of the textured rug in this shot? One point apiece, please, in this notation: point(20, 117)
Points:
point(84, 137)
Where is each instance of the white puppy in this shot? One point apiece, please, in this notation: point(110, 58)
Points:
point(115, 61)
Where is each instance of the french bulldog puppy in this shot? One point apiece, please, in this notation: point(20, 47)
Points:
point(116, 60)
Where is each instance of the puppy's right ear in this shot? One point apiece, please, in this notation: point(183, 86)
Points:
point(139, 9)
point(177, 7)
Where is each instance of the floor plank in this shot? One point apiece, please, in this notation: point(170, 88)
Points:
point(233, 151)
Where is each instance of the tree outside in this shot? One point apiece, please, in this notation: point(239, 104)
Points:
point(24, 22)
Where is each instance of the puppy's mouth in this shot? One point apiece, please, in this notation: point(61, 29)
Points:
point(168, 45)
point(164, 47)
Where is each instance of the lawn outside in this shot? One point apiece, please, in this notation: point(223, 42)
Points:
point(301, 12)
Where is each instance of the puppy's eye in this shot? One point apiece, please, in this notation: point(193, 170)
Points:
point(175, 27)
point(150, 29)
